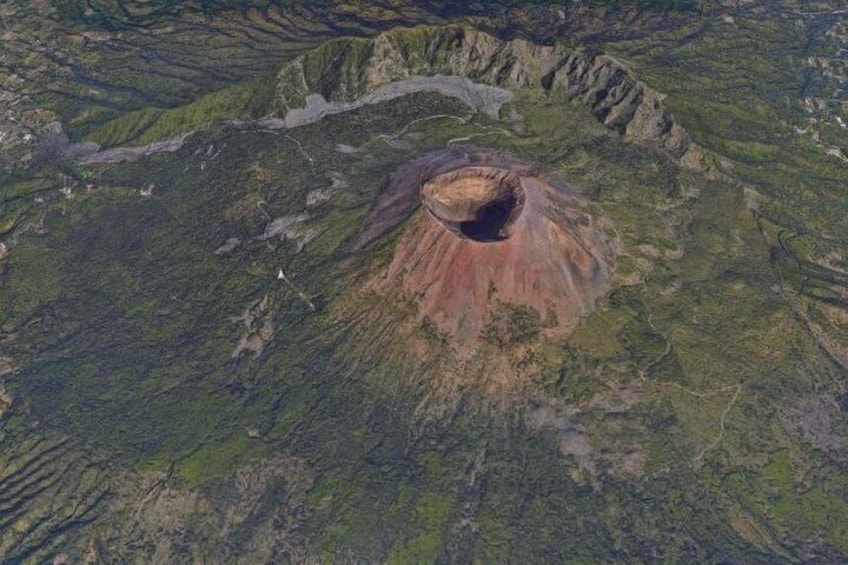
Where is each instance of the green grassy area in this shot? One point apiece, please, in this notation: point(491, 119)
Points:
point(36, 280)
point(248, 100)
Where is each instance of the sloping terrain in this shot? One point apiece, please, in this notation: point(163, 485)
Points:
point(489, 238)
point(226, 331)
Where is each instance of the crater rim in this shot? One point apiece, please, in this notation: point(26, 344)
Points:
point(476, 202)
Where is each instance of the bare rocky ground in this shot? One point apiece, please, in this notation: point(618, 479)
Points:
point(552, 259)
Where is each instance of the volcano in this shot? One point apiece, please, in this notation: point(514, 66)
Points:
point(492, 236)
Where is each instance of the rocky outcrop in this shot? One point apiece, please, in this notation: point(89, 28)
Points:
point(257, 328)
point(618, 100)
point(344, 73)
point(346, 69)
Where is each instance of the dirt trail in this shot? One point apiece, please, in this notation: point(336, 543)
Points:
point(481, 97)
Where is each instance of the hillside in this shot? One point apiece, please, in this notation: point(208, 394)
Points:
point(395, 281)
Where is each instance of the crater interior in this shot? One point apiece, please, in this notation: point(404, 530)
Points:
point(479, 203)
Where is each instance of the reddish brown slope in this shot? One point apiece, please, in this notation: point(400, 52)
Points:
point(490, 236)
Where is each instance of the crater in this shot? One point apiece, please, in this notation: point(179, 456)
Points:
point(479, 203)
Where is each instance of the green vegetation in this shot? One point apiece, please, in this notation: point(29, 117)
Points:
point(683, 421)
point(512, 324)
point(249, 100)
point(37, 278)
